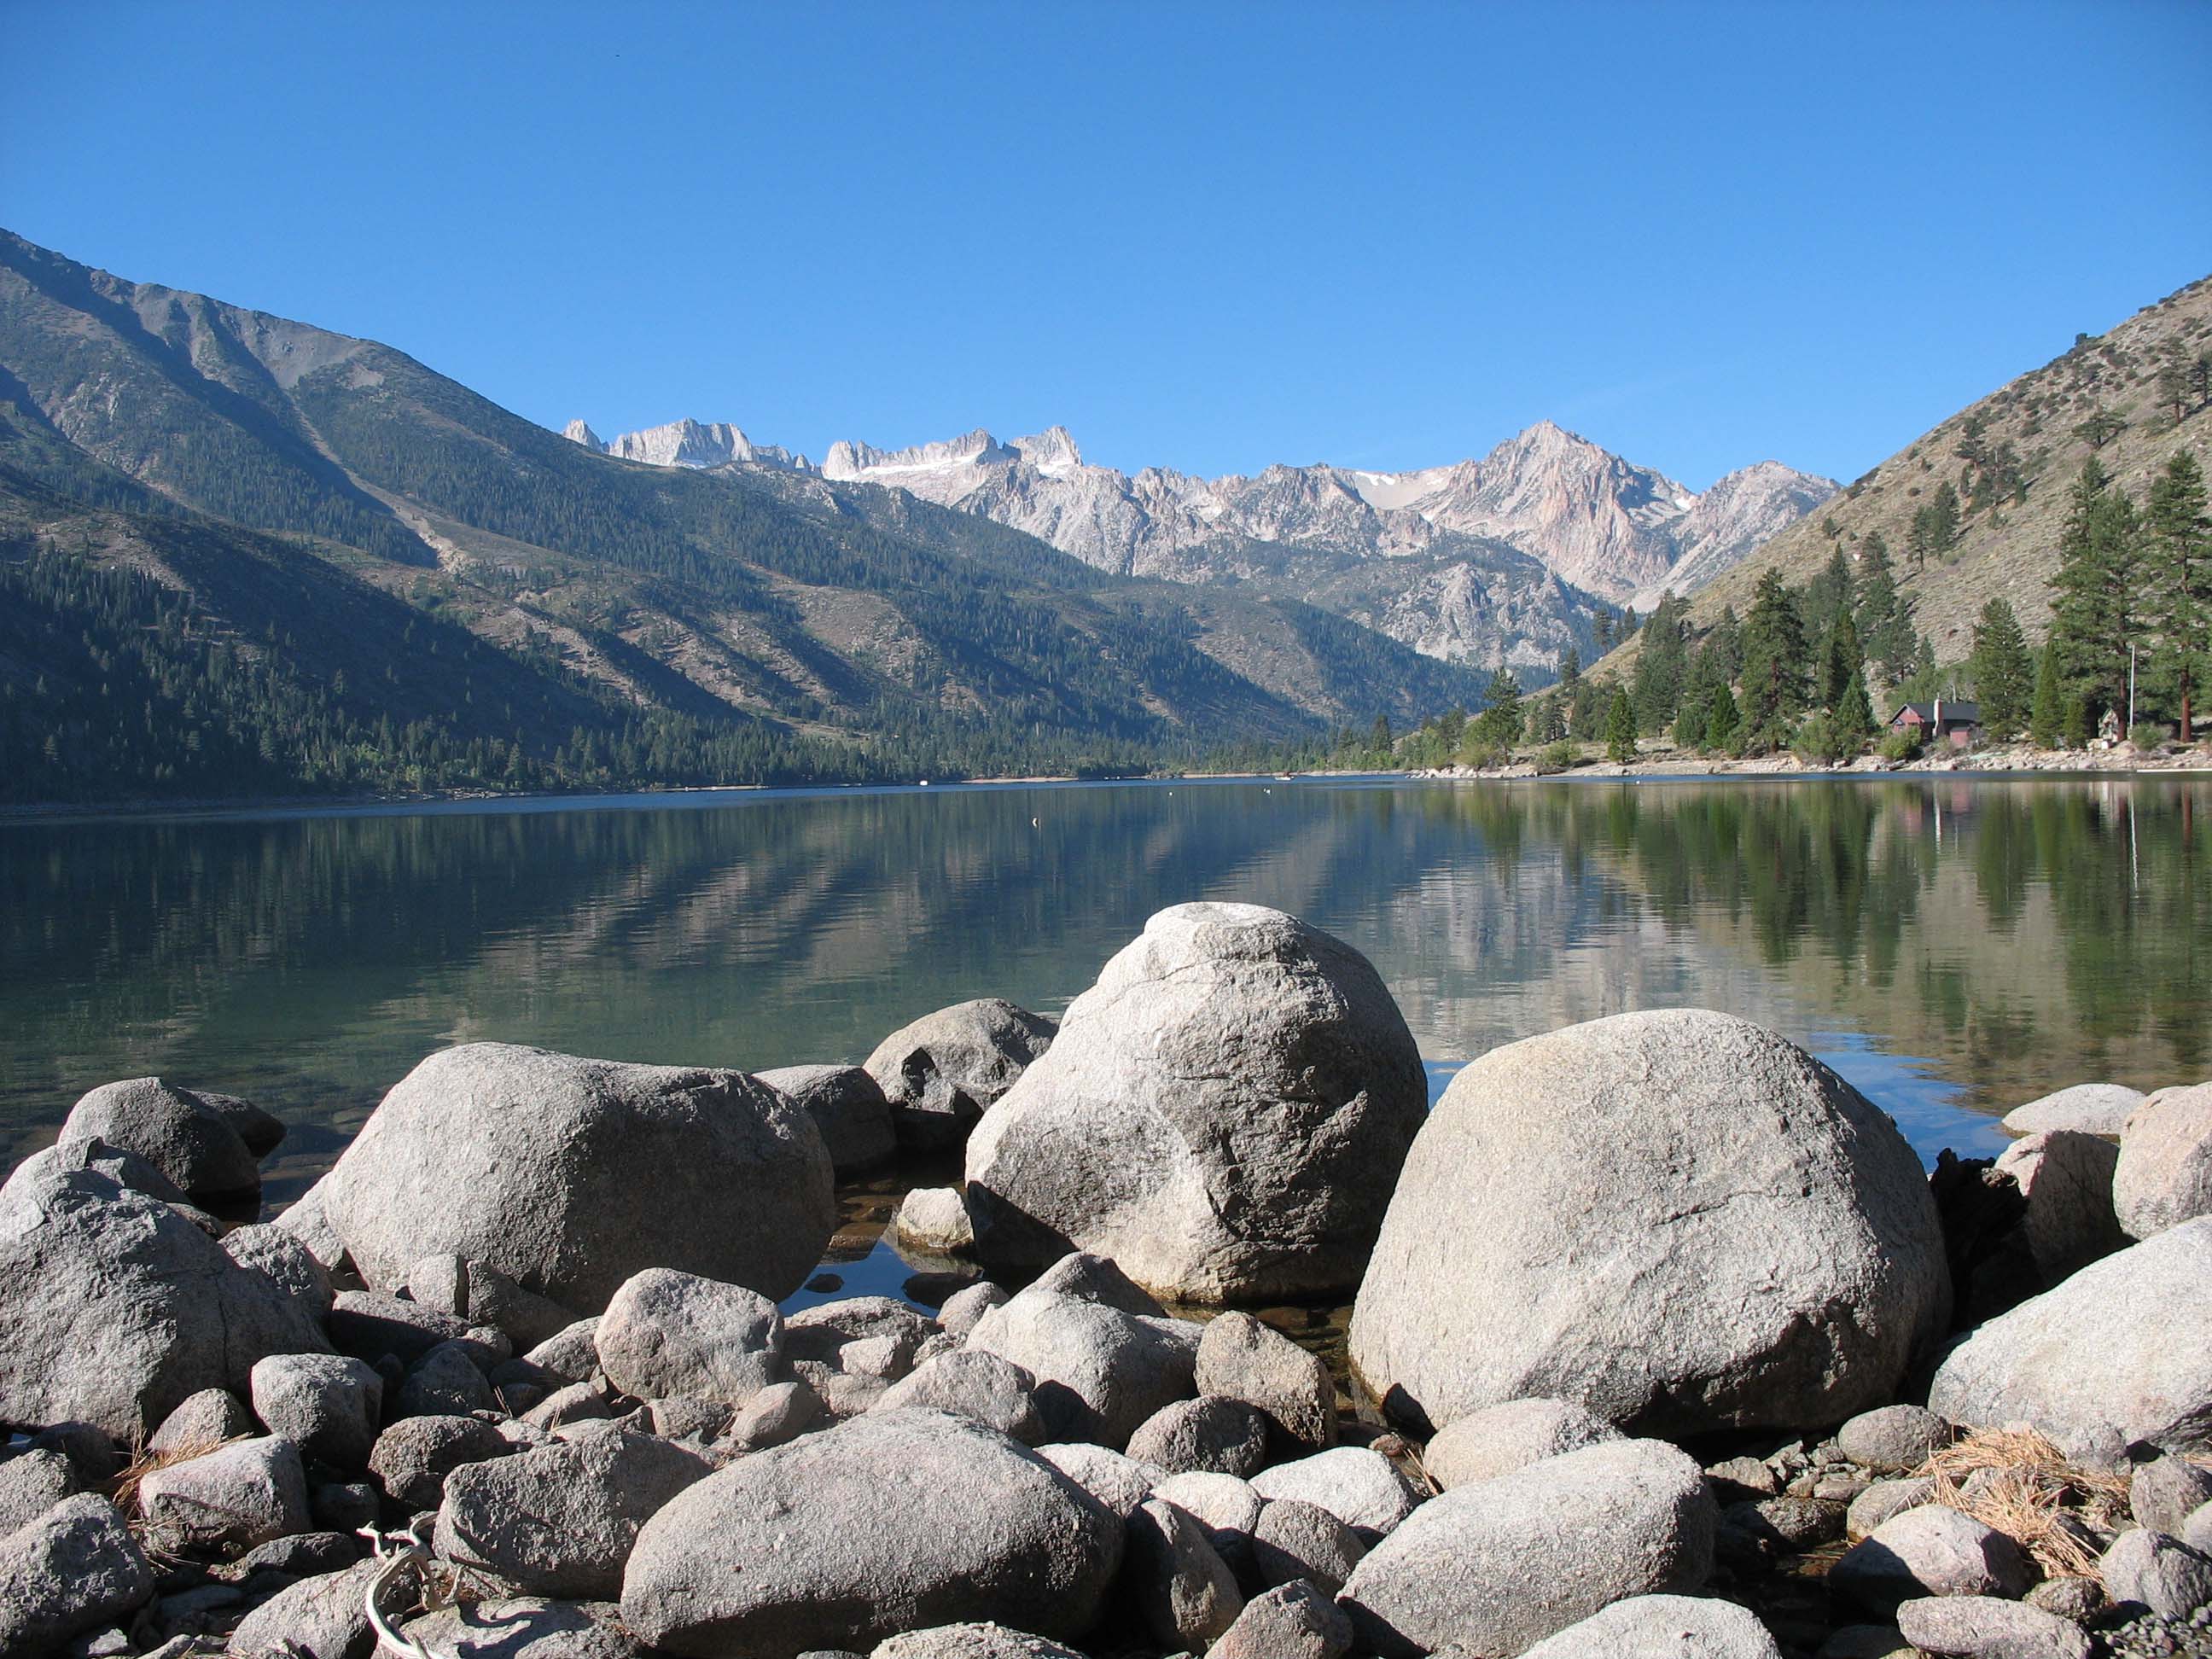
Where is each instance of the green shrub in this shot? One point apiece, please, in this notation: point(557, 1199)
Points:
point(1556, 757)
point(1901, 745)
point(1820, 740)
point(2148, 737)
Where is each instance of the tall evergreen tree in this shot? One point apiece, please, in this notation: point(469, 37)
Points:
point(1852, 717)
point(1828, 595)
point(2004, 671)
point(1499, 723)
point(2047, 716)
point(1660, 662)
point(1724, 719)
point(1774, 664)
point(2179, 552)
point(1841, 659)
point(1883, 616)
point(2095, 598)
point(1620, 728)
point(1725, 642)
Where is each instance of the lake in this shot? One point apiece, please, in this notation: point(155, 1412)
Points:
point(1952, 945)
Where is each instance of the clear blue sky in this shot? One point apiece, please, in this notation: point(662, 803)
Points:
point(1207, 237)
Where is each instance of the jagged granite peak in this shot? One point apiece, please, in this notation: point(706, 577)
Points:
point(580, 432)
point(688, 443)
point(1741, 513)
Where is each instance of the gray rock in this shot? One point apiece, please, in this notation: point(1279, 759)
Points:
point(31, 1483)
point(1867, 1642)
point(1676, 1626)
point(975, 1384)
point(698, 1421)
point(203, 1421)
point(325, 1617)
point(1292, 1621)
point(1294, 1539)
point(1098, 1278)
point(2091, 1365)
point(1741, 1475)
point(2157, 1573)
point(982, 1530)
point(1226, 1508)
point(1988, 1627)
point(524, 1627)
point(2197, 1530)
point(125, 1169)
point(344, 1506)
point(1118, 1483)
point(885, 1358)
point(1499, 1439)
point(482, 1294)
point(2070, 1597)
point(775, 1416)
point(1210, 1435)
point(1892, 1439)
point(580, 1402)
point(305, 1219)
point(2089, 1109)
point(1564, 1228)
point(242, 1494)
point(933, 1224)
point(445, 1382)
point(1882, 1500)
point(841, 1396)
point(983, 1641)
point(1223, 1113)
point(369, 1324)
point(668, 1333)
point(119, 1308)
point(825, 1330)
point(569, 1174)
point(76, 1568)
point(964, 1308)
point(1183, 1588)
point(1100, 1371)
point(561, 1520)
point(2163, 1491)
point(269, 1249)
point(2067, 1179)
point(174, 1129)
point(572, 1353)
point(327, 1405)
point(262, 1131)
point(1930, 1551)
point(847, 1106)
point(2165, 1172)
point(942, 1073)
point(1503, 1563)
point(1358, 1486)
point(412, 1458)
point(1240, 1357)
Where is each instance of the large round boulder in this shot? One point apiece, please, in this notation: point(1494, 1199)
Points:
point(2165, 1173)
point(569, 1174)
point(895, 1520)
point(119, 1309)
point(1223, 1113)
point(944, 1071)
point(183, 1136)
point(1677, 1220)
point(2114, 1355)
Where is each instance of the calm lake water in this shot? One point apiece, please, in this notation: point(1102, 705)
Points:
point(1952, 945)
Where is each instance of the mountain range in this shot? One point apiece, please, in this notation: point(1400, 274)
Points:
point(1504, 560)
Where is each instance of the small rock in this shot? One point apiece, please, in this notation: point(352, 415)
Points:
point(774, 1415)
point(976, 1384)
point(2197, 1530)
point(413, 1457)
point(884, 1358)
point(571, 1353)
point(1499, 1439)
point(268, 1249)
point(1183, 1589)
point(667, 1332)
point(31, 1483)
point(242, 1494)
point(983, 1641)
point(523, 1627)
point(2070, 1597)
point(580, 1402)
point(74, 1568)
point(320, 1618)
point(1882, 1500)
point(2094, 1109)
point(1118, 1483)
point(1745, 1475)
point(368, 1324)
point(1242, 1358)
point(1893, 1440)
point(2162, 1573)
point(189, 1141)
point(1211, 1435)
point(1986, 1627)
point(327, 1404)
point(1677, 1627)
point(1225, 1507)
point(963, 1309)
point(1930, 1551)
point(445, 1382)
point(2162, 1493)
point(932, 1222)
point(697, 1421)
point(943, 1072)
point(1295, 1540)
point(1360, 1487)
point(847, 1106)
point(1840, 1489)
point(1101, 1370)
point(202, 1423)
point(1294, 1621)
point(2165, 1173)
point(344, 1506)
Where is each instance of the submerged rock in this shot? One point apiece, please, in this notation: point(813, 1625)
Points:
point(180, 1134)
point(570, 1174)
point(941, 1073)
point(1676, 1218)
point(896, 1519)
point(1223, 1114)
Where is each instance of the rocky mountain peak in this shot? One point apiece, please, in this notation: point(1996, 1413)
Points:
point(1052, 452)
point(578, 432)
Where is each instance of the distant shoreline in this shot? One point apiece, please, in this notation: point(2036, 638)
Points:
point(2014, 759)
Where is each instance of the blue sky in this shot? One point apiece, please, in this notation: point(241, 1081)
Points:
point(1205, 237)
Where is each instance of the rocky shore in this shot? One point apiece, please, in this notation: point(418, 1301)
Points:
point(1662, 760)
point(1663, 1344)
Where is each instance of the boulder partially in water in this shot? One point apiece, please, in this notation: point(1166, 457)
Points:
point(847, 1104)
point(1677, 1220)
point(194, 1144)
point(895, 1520)
point(941, 1073)
point(1223, 1113)
point(568, 1175)
point(119, 1308)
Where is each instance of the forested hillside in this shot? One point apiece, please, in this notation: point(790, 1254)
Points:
point(345, 572)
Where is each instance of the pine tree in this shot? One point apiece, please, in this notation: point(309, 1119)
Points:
point(2093, 610)
point(2179, 552)
point(2044, 722)
point(1690, 706)
point(1883, 618)
point(1841, 660)
point(1828, 595)
point(1774, 663)
point(1724, 719)
point(1660, 664)
point(1852, 717)
point(1499, 723)
point(2004, 671)
point(1621, 729)
point(1725, 642)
